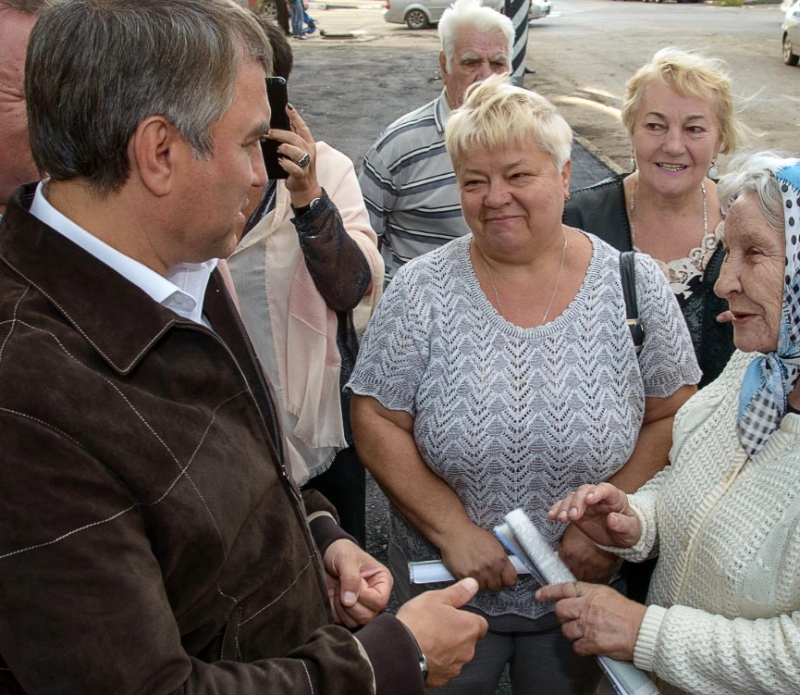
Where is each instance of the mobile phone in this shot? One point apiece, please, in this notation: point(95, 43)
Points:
point(278, 98)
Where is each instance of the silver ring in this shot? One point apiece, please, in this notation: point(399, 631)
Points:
point(304, 161)
point(578, 592)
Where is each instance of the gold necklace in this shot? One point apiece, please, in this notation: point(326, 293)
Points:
point(633, 207)
point(555, 287)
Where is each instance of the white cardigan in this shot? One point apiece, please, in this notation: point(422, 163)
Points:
point(724, 613)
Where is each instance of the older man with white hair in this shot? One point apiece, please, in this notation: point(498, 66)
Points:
point(407, 178)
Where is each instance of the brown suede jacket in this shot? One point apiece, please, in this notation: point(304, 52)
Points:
point(150, 539)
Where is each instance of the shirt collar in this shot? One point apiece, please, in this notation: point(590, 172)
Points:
point(441, 111)
point(183, 291)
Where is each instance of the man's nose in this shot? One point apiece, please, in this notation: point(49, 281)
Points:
point(259, 169)
point(485, 70)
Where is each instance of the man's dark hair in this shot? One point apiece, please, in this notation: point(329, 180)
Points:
point(282, 57)
point(98, 68)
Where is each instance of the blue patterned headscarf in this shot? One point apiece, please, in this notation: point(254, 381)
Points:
point(770, 378)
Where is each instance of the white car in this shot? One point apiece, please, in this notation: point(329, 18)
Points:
point(419, 14)
point(790, 32)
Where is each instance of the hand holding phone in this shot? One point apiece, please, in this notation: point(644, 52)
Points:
point(278, 98)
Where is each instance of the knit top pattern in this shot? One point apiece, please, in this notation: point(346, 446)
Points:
point(512, 417)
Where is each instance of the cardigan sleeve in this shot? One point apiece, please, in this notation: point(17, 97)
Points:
point(704, 653)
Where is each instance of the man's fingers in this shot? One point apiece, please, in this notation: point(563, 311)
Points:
point(349, 588)
point(460, 592)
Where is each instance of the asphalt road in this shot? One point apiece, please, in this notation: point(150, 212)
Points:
point(349, 90)
point(583, 53)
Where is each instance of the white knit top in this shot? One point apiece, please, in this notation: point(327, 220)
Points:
point(726, 593)
point(512, 417)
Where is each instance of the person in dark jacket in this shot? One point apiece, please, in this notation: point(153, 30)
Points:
point(151, 540)
point(679, 112)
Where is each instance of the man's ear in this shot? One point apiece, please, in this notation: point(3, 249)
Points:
point(153, 150)
point(442, 63)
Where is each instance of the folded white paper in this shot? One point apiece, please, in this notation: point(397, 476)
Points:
point(520, 535)
point(431, 571)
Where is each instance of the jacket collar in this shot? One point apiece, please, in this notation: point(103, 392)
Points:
point(117, 318)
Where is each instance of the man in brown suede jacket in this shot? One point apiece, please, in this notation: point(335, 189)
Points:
point(150, 539)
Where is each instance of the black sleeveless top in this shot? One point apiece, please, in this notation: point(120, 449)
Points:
point(601, 210)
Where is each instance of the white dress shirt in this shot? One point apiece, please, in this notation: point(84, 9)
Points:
point(182, 291)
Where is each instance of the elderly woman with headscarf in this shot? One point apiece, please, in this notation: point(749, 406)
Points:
point(724, 605)
point(499, 371)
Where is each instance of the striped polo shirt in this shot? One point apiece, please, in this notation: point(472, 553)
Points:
point(409, 186)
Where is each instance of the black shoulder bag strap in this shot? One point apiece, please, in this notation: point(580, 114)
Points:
point(627, 270)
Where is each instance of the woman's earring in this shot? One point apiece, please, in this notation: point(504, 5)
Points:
point(633, 163)
point(713, 172)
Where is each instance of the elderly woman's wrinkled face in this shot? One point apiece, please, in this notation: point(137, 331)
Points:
point(752, 275)
point(675, 138)
point(511, 197)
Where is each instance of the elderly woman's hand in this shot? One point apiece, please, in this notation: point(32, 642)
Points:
point(302, 182)
point(595, 618)
point(602, 512)
point(470, 551)
point(584, 559)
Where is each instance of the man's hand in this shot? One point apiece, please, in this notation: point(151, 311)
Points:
point(446, 635)
point(358, 585)
point(471, 551)
point(596, 619)
point(584, 558)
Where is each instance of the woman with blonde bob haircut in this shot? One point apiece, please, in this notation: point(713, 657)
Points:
point(498, 371)
point(690, 75)
point(680, 113)
point(501, 115)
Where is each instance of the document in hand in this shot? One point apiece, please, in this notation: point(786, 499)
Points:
point(521, 537)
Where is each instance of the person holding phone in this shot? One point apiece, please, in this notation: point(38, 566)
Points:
point(308, 275)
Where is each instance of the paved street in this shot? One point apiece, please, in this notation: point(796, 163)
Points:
point(583, 53)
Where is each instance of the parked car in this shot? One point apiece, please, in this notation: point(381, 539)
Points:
point(790, 35)
point(419, 14)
